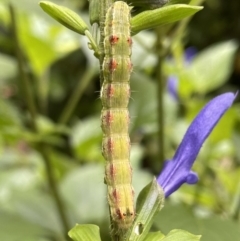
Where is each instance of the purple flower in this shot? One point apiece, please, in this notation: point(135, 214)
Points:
point(172, 86)
point(189, 54)
point(178, 170)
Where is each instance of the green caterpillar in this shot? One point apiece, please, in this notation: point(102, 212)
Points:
point(115, 93)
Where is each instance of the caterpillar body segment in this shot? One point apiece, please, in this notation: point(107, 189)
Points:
point(115, 94)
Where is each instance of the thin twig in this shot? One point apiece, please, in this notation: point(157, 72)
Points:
point(54, 188)
point(33, 113)
point(77, 94)
point(24, 77)
point(160, 91)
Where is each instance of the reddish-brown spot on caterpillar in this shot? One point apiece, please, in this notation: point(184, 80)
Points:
point(110, 118)
point(113, 39)
point(129, 40)
point(110, 91)
point(115, 195)
point(120, 214)
point(112, 171)
point(112, 65)
point(110, 145)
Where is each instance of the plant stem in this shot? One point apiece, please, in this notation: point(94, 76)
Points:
point(43, 91)
point(160, 91)
point(32, 109)
point(92, 43)
point(54, 188)
point(74, 99)
point(235, 206)
point(24, 77)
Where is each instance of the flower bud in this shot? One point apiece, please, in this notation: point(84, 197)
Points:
point(65, 16)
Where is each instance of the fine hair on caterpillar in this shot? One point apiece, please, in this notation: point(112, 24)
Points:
point(115, 95)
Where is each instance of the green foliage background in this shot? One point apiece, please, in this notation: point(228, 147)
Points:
point(58, 64)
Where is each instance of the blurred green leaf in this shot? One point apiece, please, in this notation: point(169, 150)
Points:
point(84, 191)
point(9, 65)
point(230, 185)
point(182, 217)
point(156, 236)
point(39, 209)
point(136, 156)
point(94, 11)
point(181, 235)
point(46, 125)
point(171, 216)
point(40, 52)
point(11, 127)
point(28, 6)
point(9, 114)
point(209, 69)
point(86, 139)
point(40, 62)
point(143, 108)
point(140, 180)
point(85, 232)
point(13, 227)
point(65, 16)
point(205, 196)
point(154, 18)
point(215, 229)
point(43, 44)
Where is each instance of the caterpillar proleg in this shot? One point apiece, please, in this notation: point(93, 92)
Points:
point(115, 93)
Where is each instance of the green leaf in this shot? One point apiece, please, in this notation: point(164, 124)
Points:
point(86, 182)
point(182, 217)
point(38, 208)
point(86, 138)
point(179, 216)
point(210, 68)
point(156, 236)
point(145, 108)
point(65, 16)
point(14, 227)
point(10, 116)
point(149, 203)
point(85, 232)
point(94, 11)
point(181, 235)
point(9, 65)
point(35, 45)
point(215, 229)
point(169, 14)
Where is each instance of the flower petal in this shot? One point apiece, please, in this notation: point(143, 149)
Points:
point(178, 170)
point(172, 87)
point(192, 178)
point(190, 53)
